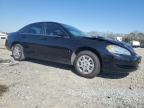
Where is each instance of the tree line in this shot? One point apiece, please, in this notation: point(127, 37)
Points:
point(137, 36)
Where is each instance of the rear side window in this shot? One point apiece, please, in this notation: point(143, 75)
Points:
point(35, 29)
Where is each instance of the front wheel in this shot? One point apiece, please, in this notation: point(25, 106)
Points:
point(87, 64)
point(17, 52)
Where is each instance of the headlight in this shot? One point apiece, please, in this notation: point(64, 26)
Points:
point(117, 50)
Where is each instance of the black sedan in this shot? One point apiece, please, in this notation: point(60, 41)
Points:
point(63, 43)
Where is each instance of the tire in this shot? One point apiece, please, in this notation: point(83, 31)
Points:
point(17, 52)
point(87, 64)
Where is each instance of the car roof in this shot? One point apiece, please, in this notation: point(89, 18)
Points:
point(47, 22)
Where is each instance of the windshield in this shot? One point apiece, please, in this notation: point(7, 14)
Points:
point(74, 31)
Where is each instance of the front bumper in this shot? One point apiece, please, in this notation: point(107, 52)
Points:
point(122, 64)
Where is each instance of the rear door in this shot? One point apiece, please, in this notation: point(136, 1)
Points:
point(30, 36)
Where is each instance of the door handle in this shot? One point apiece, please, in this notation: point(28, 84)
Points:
point(42, 38)
point(23, 37)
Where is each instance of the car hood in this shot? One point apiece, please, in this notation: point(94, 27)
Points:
point(122, 44)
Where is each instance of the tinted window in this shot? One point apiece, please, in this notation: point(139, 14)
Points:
point(33, 29)
point(74, 31)
point(52, 29)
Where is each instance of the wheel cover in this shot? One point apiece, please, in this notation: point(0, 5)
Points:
point(17, 52)
point(85, 64)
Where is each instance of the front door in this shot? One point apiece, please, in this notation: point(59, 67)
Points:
point(56, 45)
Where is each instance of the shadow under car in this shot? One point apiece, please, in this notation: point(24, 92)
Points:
point(108, 75)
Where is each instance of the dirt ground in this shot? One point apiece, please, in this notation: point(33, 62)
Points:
point(39, 84)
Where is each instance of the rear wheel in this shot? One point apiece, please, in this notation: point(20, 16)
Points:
point(87, 64)
point(17, 52)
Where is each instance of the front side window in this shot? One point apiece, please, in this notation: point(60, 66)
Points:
point(35, 29)
point(53, 30)
point(74, 31)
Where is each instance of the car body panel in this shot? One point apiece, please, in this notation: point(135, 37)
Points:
point(64, 49)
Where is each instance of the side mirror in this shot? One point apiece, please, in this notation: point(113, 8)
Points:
point(59, 33)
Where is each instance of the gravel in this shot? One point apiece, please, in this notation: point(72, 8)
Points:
point(39, 84)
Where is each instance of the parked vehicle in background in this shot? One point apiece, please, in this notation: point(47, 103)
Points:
point(119, 38)
point(3, 36)
point(135, 43)
point(66, 44)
